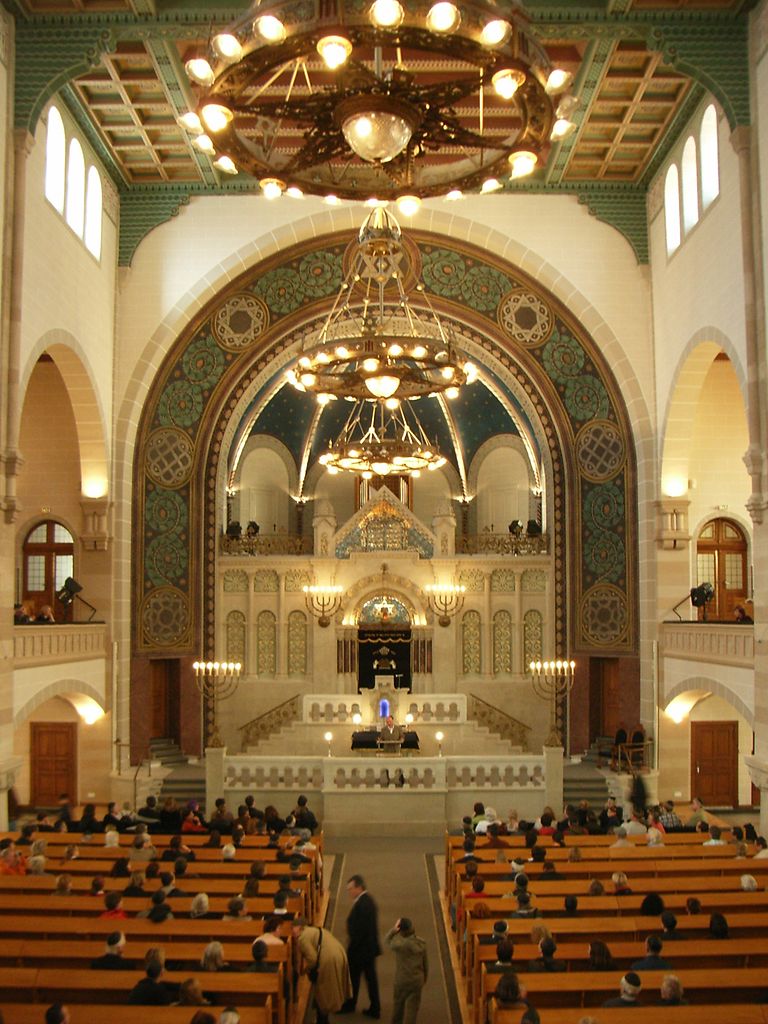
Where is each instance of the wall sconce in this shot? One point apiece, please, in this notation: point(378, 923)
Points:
point(323, 602)
point(439, 736)
point(328, 736)
point(445, 600)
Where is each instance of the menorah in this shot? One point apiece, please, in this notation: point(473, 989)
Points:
point(216, 681)
point(323, 602)
point(445, 600)
point(553, 681)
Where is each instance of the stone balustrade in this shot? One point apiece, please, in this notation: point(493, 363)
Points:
point(712, 642)
point(48, 645)
point(431, 708)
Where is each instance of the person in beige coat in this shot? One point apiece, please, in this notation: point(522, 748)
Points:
point(411, 970)
point(322, 951)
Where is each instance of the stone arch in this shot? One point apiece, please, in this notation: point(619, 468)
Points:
point(73, 365)
point(713, 686)
point(501, 441)
point(563, 374)
point(371, 586)
point(65, 688)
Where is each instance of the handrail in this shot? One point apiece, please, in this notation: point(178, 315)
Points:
point(264, 725)
point(498, 721)
point(139, 766)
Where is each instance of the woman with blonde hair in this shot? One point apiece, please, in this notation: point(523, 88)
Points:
point(213, 958)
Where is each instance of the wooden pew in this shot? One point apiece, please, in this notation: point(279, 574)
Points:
point(137, 930)
point(732, 1013)
point(19, 1013)
point(92, 906)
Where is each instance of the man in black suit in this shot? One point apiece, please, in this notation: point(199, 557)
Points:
point(112, 958)
point(363, 946)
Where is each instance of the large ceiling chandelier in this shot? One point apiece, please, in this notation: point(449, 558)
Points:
point(378, 99)
point(382, 349)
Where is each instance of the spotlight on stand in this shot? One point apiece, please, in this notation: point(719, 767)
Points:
point(71, 590)
point(701, 596)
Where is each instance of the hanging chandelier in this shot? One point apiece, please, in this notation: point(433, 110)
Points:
point(378, 99)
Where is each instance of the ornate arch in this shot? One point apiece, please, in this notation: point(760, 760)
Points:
point(523, 333)
point(715, 687)
point(61, 688)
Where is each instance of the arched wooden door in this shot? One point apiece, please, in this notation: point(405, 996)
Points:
point(721, 559)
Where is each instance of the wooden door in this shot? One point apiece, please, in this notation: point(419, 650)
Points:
point(164, 697)
point(605, 715)
point(714, 763)
point(53, 762)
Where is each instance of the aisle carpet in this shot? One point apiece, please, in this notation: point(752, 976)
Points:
point(404, 876)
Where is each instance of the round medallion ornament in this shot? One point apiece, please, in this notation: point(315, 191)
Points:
point(169, 457)
point(603, 614)
point(165, 618)
point(600, 450)
point(525, 317)
point(240, 321)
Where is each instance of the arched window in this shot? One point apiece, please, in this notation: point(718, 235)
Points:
point(690, 185)
point(672, 209)
point(76, 188)
point(48, 556)
point(55, 160)
point(93, 212)
point(721, 559)
point(710, 161)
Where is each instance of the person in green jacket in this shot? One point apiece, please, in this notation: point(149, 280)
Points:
point(410, 972)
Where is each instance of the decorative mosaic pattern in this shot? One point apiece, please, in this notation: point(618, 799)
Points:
point(503, 581)
point(235, 582)
point(526, 317)
point(571, 390)
point(236, 637)
point(169, 457)
point(470, 643)
point(603, 615)
point(385, 608)
point(265, 581)
point(297, 644)
point(502, 643)
point(473, 580)
point(534, 581)
point(296, 580)
point(240, 321)
point(266, 644)
point(533, 637)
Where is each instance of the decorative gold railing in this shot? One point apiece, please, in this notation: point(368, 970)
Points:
point(270, 722)
point(498, 721)
point(488, 543)
point(267, 544)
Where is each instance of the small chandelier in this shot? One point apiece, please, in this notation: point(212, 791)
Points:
point(379, 440)
point(377, 99)
point(376, 343)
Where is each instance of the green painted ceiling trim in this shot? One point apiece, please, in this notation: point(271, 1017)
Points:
point(90, 132)
point(143, 209)
point(672, 135)
point(593, 66)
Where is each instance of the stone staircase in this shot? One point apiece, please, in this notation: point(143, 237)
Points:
point(183, 781)
point(584, 781)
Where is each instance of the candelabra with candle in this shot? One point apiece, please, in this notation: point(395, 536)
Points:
point(216, 681)
point(328, 737)
point(553, 681)
point(445, 600)
point(323, 602)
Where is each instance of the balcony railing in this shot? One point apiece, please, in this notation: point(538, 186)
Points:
point(714, 642)
point(267, 544)
point(488, 543)
point(49, 645)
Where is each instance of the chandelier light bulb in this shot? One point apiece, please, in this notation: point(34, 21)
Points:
point(190, 122)
point(367, 475)
point(333, 470)
point(272, 188)
point(377, 135)
point(334, 50)
point(507, 82)
point(443, 17)
point(522, 163)
point(270, 28)
point(395, 350)
point(383, 385)
point(392, 403)
point(324, 399)
point(227, 46)
point(447, 372)
point(225, 163)
point(490, 185)
point(370, 365)
point(294, 192)
point(205, 144)
point(308, 379)
point(418, 352)
point(342, 352)
point(558, 80)
point(200, 71)
point(408, 205)
point(470, 372)
point(495, 32)
point(216, 116)
point(567, 106)
point(386, 13)
point(331, 200)
point(454, 195)
point(381, 468)
point(561, 129)
point(452, 393)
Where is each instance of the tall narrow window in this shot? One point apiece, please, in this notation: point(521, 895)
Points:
point(690, 185)
point(710, 161)
point(76, 188)
point(672, 209)
point(55, 160)
point(93, 212)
